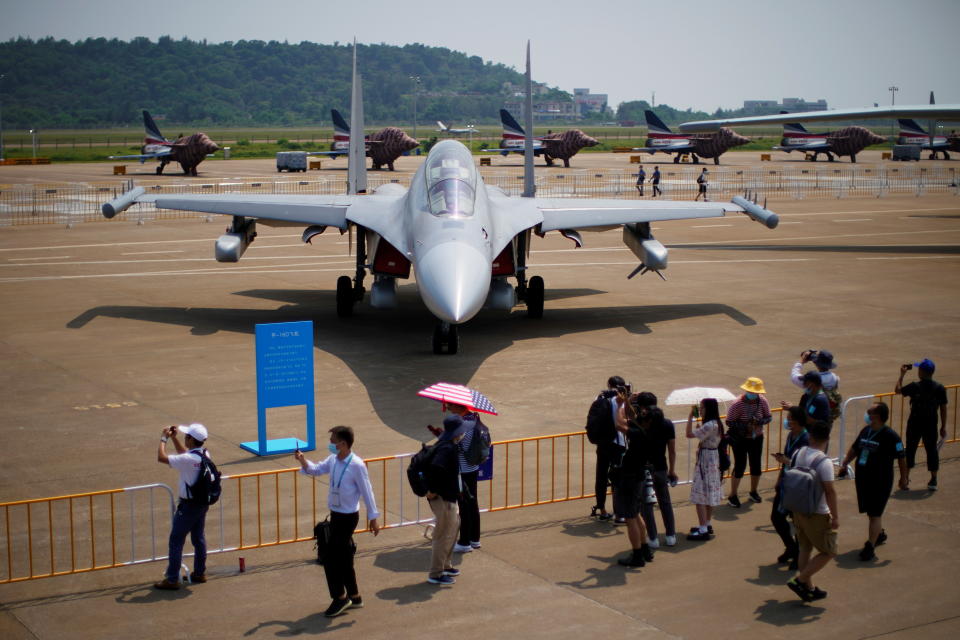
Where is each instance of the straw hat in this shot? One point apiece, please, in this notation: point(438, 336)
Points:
point(753, 385)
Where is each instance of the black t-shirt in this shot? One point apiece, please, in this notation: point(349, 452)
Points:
point(442, 474)
point(639, 445)
point(816, 407)
point(657, 438)
point(926, 398)
point(883, 447)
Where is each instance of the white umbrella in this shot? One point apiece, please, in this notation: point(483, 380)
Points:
point(693, 395)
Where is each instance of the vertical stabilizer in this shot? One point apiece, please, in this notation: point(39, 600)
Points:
point(655, 124)
point(356, 163)
point(529, 185)
point(151, 129)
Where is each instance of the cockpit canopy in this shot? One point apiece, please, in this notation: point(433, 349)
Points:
point(451, 180)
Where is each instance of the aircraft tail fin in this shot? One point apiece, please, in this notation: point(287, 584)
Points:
point(357, 158)
point(529, 183)
point(442, 126)
point(340, 126)
point(151, 128)
point(654, 123)
point(511, 128)
point(932, 101)
point(910, 127)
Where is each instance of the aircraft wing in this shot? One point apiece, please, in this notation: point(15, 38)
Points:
point(142, 156)
point(569, 213)
point(670, 148)
point(922, 111)
point(810, 146)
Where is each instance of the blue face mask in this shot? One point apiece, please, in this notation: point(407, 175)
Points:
point(332, 448)
point(750, 396)
point(786, 422)
point(866, 418)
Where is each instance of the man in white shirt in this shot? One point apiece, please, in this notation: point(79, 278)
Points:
point(190, 517)
point(348, 483)
point(818, 529)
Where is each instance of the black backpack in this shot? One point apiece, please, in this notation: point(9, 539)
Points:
point(600, 429)
point(206, 489)
point(479, 450)
point(417, 469)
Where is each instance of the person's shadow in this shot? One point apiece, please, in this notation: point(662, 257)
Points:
point(590, 530)
point(611, 575)
point(313, 623)
point(147, 594)
point(409, 594)
point(771, 574)
point(781, 614)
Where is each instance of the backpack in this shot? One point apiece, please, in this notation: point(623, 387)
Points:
point(479, 450)
point(801, 488)
point(417, 469)
point(600, 429)
point(723, 454)
point(835, 401)
point(206, 489)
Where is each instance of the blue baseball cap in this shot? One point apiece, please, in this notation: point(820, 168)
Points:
point(926, 364)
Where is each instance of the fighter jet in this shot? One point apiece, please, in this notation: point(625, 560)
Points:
point(463, 239)
point(189, 151)
point(442, 128)
point(560, 146)
point(660, 139)
point(382, 147)
point(848, 141)
point(913, 133)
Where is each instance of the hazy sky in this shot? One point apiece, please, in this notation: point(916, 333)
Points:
point(692, 53)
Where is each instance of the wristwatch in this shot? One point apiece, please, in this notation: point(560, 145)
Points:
point(163, 439)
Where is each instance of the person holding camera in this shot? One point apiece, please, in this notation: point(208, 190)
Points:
point(662, 453)
point(746, 420)
point(928, 399)
point(610, 443)
point(814, 403)
point(629, 476)
point(707, 490)
point(829, 381)
point(348, 483)
point(190, 516)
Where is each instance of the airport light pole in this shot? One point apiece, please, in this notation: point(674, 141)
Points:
point(33, 136)
point(416, 90)
point(893, 102)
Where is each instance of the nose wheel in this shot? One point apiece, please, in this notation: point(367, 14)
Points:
point(446, 339)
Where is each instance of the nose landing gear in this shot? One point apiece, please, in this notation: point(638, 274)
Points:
point(446, 339)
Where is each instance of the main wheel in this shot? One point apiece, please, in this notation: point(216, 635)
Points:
point(535, 297)
point(345, 297)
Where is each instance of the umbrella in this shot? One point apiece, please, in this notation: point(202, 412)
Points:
point(693, 395)
point(458, 394)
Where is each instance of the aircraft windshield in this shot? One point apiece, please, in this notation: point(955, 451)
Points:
point(451, 184)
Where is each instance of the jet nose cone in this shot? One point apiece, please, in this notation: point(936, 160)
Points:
point(454, 279)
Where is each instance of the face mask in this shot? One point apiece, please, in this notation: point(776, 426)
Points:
point(750, 396)
point(786, 423)
point(866, 418)
point(332, 448)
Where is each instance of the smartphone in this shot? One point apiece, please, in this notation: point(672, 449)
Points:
point(908, 366)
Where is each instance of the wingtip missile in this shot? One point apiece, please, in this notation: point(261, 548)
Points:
point(121, 203)
point(760, 214)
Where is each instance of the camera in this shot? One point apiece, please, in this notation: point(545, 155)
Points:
point(809, 354)
point(908, 366)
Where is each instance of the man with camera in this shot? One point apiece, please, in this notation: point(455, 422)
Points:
point(928, 398)
point(602, 432)
point(190, 516)
point(829, 381)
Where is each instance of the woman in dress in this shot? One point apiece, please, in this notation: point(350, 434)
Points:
point(707, 491)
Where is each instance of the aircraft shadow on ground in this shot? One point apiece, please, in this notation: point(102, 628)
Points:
point(832, 248)
point(391, 351)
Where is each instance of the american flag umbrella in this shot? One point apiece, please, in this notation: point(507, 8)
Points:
point(458, 394)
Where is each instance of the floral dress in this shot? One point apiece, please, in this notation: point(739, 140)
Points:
point(707, 488)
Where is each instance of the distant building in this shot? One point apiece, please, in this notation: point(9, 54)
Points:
point(589, 102)
point(788, 104)
point(546, 109)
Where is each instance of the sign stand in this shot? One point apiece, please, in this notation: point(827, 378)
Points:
point(284, 379)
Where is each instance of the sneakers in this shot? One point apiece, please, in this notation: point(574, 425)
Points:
point(881, 538)
point(697, 529)
point(167, 585)
point(462, 548)
point(619, 520)
point(802, 590)
point(786, 556)
point(932, 485)
point(442, 580)
point(733, 501)
point(699, 536)
point(475, 545)
point(653, 543)
point(337, 607)
point(356, 603)
point(635, 559)
point(867, 552)
point(671, 541)
point(198, 577)
point(755, 497)
point(817, 594)
point(453, 572)
point(647, 553)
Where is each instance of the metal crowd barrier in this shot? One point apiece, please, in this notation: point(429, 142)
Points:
point(85, 532)
point(66, 203)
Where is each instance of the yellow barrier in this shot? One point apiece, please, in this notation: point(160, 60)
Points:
point(92, 531)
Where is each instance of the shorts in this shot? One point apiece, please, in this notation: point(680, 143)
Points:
point(813, 531)
point(626, 497)
point(872, 495)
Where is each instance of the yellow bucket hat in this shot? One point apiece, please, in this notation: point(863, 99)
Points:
point(753, 385)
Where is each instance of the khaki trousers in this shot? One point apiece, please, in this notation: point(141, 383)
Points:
point(444, 534)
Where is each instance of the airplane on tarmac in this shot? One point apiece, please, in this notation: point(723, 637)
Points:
point(463, 238)
point(382, 147)
point(445, 129)
point(913, 133)
point(848, 141)
point(660, 139)
point(189, 151)
point(561, 146)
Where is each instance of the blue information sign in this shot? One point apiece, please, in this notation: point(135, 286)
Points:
point(284, 379)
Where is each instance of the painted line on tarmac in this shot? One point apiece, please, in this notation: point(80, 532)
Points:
point(823, 237)
point(854, 220)
point(234, 271)
point(709, 226)
point(834, 213)
point(139, 253)
point(125, 244)
point(41, 258)
point(910, 258)
point(155, 260)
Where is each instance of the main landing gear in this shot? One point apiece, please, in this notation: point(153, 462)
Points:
point(446, 339)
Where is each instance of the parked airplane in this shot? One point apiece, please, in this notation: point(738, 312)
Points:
point(660, 139)
point(848, 141)
point(382, 147)
point(463, 238)
point(913, 133)
point(561, 146)
point(189, 151)
point(445, 129)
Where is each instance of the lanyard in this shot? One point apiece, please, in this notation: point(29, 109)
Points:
point(342, 473)
point(876, 434)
